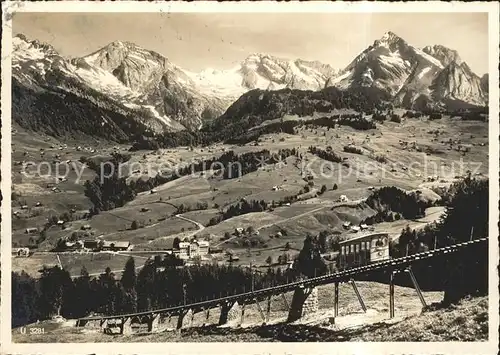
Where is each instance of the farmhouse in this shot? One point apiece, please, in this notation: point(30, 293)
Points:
point(346, 224)
point(215, 250)
point(31, 230)
point(115, 245)
point(91, 244)
point(21, 252)
point(203, 247)
point(74, 245)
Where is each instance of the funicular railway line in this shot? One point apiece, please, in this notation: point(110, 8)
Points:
point(391, 265)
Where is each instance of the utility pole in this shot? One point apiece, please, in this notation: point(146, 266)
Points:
point(251, 276)
point(471, 233)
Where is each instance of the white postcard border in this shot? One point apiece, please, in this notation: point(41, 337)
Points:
point(490, 346)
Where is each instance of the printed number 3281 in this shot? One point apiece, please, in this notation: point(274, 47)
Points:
point(32, 331)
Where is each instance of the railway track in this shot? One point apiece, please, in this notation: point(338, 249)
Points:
point(340, 276)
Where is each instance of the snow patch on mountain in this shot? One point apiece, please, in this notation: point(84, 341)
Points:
point(429, 58)
point(423, 72)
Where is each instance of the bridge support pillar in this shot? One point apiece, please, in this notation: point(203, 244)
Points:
point(417, 287)
point(287, 305)
point(229, 313)
point(207, 316)
point(391, 295)
point(336, 300)
point(94, 323)
point(242, 313)
point(153, 322)
point(304, 301)
point(260, 311)
point(103, 323)
point(268, 309)
point(126, 326)
point(358, 295)
point(185, 319)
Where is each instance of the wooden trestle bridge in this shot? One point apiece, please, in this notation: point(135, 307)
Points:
point(303, 289)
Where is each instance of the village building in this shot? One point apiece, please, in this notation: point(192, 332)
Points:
point(21, 252)
point(32, 230)
point(355, 229)
point(203, 247)
point(184, 250)
point(72, 246)
point(188, 250)
point(115, 245)
point(92, 244)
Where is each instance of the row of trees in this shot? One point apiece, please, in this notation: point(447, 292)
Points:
point(329, 155)
point(238, 209)
point(158, 284)
point(353, 149)
point(393, 199)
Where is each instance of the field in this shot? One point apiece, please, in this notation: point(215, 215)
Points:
point(413, 151)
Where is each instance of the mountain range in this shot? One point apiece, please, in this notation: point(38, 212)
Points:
point(125, 88)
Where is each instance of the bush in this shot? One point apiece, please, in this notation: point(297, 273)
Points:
point(352, 149)
point(379, 158)
point(395, 118)
point(435, 116)
point(379, 117)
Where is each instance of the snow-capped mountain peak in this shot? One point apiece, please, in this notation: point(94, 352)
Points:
point(389, 40)
point(412, 75)
point(144, 84)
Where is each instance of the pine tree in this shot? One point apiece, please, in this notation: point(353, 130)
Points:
point(129, 277)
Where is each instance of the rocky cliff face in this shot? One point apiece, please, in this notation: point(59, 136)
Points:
point(485, 82)
point(413, 76)
point(458, 82)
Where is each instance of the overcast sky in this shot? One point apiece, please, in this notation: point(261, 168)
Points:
point(197, 41)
